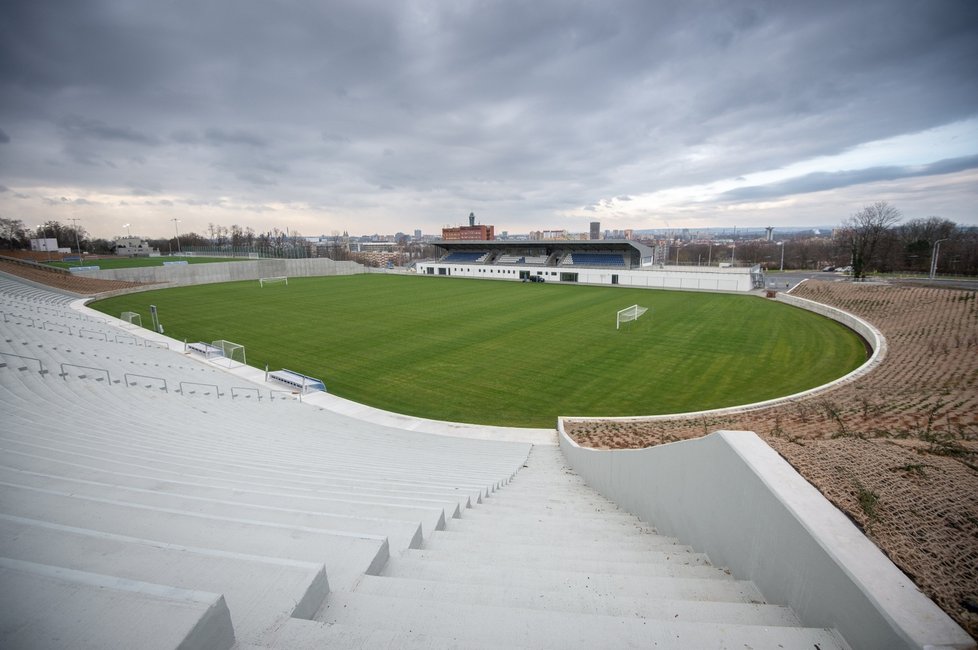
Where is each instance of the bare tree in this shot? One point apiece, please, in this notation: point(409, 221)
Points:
point(864, 231)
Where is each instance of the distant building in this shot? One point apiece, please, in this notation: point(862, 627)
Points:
point(49, 244)
point(471, 232)
point(134, 247)
point(595, 230)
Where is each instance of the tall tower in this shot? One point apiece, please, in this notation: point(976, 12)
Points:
point(595, 230)
point(770, 233)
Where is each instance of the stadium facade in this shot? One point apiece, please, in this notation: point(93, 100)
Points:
point(604, 262)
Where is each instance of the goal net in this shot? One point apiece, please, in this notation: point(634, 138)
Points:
point(132, 318)
point(629, 314)
point(232, 354)
point(279, 280)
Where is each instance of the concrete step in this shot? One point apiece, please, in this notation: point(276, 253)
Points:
point(679, 581)
point(627, 564)
point(399, 523)
point(532, 512)
point(347, 555)
point(298, 634)
point(537, 531)
point(661, 607)
point(402, 533)
point(260, 591)
point(443, 546)
point(44, 606)
point(152, 471)
point(529, 545)
point(554, 629)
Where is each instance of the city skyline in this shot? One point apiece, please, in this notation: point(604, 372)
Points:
point(386, 116)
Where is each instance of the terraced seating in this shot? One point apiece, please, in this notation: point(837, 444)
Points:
point(466, 257)
point(238, 523)
point(594, 259)
point(509, 259)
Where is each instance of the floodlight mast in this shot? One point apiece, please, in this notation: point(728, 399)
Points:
point(74, 223)
point(177, 231)
point(933, 258)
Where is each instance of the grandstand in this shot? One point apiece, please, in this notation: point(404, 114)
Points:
point(151, 499)
point(608, 262)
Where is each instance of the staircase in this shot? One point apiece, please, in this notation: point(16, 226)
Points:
point(547, 562)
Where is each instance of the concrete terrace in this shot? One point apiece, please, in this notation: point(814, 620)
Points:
point(150, 499)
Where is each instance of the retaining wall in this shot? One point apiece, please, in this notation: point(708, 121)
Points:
point(731, 496)
point(179, 275)
point(736, 279)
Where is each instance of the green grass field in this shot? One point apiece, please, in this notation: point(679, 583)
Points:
point(512, 353)
point(131, 262)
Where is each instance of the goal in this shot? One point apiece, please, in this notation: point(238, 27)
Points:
point(132, 318)
point(629, 314)
point(231, 352)
point(279, 280)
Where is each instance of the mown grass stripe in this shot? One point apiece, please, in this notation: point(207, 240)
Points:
point(509, 353)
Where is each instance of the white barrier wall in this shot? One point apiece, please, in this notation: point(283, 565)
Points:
point(733, 497)
point(699, 278)
point(230, 271)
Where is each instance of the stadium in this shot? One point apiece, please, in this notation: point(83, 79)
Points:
point(158, 495)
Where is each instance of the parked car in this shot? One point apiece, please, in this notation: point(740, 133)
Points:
point(828, 269)
point(535, 278)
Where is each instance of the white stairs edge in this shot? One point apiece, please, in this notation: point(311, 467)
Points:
point(553, 629)
point(667, 602)
point(45, 606)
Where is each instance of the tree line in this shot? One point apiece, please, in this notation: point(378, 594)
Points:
point(874, 239)
point(15, 235)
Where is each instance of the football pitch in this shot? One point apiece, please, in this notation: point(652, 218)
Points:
point(509, 353)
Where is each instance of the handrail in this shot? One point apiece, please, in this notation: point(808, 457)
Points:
point(132, 374)
point(47, 322)
point(245, 388)
point(64, 374)
point(40, 365)
point(105, 337)
point(217, 391)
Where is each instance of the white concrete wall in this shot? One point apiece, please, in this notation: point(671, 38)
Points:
point(700, 278)
point(230, 271)
point(731, 496)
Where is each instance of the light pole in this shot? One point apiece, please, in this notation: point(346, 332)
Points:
point(933, 258)
point(175, 222)
point(44, 237)
point(781, 244)
point(74, 225)
point(128, 228)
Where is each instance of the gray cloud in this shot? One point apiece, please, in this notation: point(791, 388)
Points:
point(77, 126)
point(515, 109)
point(821, 181)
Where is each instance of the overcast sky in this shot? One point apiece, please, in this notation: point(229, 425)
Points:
point(378, 116)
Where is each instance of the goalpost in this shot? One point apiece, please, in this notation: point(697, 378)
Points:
point(233, 353)
point(132, 318)
point(277, 280)
point(629, 314)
